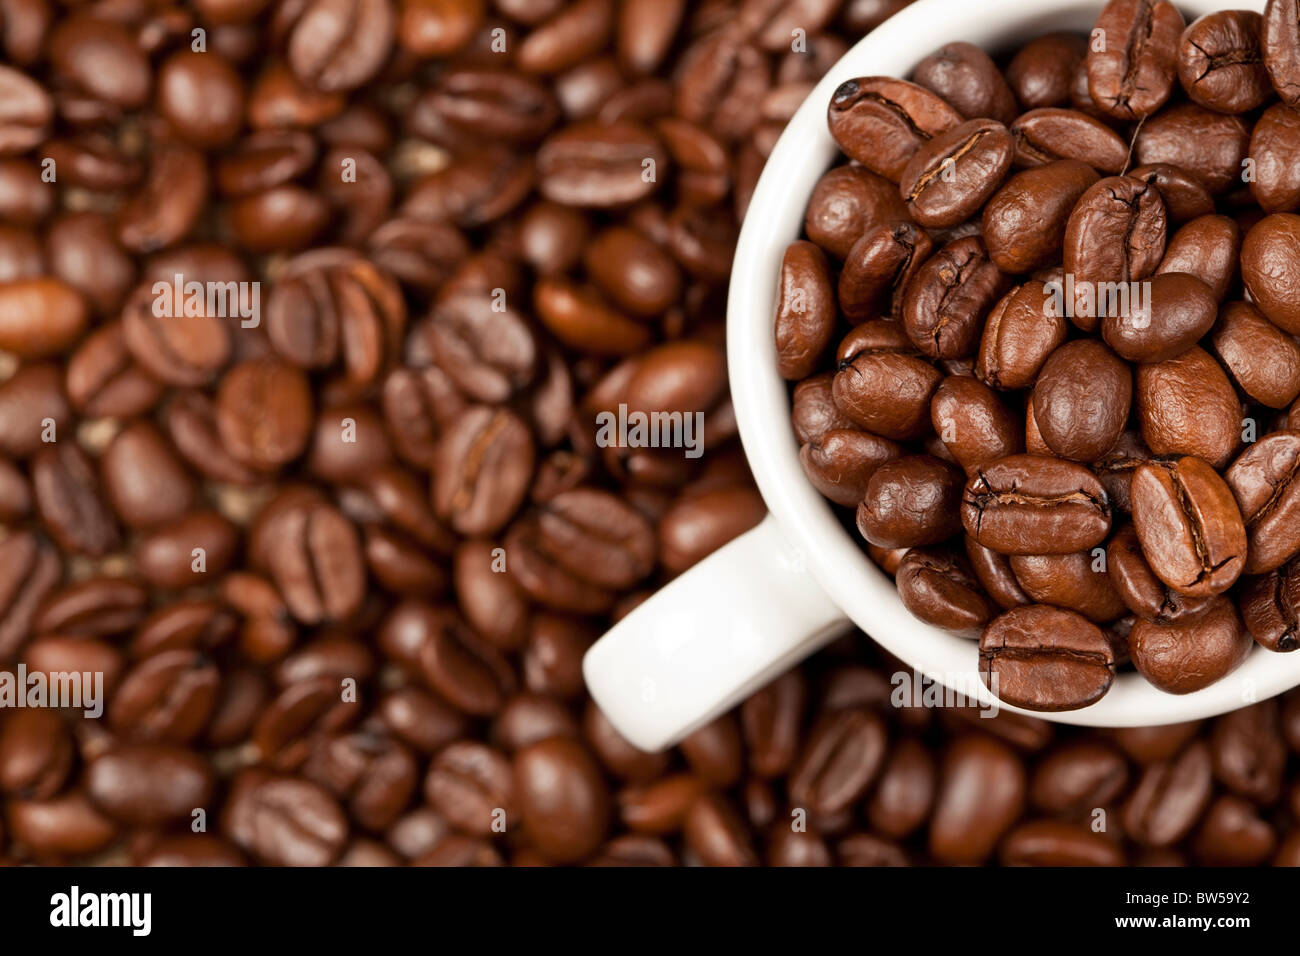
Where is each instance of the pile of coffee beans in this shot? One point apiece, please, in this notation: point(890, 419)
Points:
point(1043, 329)
point(337, 544)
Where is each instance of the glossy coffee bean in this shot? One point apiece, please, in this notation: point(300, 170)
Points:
point(1190, 654)
point(940, 588)
point(1046, 658)
point(981, 793)
point(1030, 504)
point(911, 502)
point(882, 122)
point(1190, 526)
point(1132, 75)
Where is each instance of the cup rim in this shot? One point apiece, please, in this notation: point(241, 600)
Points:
point(775, 218)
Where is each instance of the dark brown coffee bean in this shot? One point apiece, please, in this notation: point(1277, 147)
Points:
point(1208, 247)
point(1179, 310)
point(939, 587)
point(1270, 606)
point(843, 754)
point(911, 502)
point(35, 754)
point(1211, 146)
point(879, 267)
point(264, 413)
point(1054, 843)
point(101, 58)
point(847, 203)
point(1116, 234)
point(596, 166)
point(1045, 136)
point(312, 552)
point(951, 176)
point(1020, 334)
point(470, 784)
point(805, 315)
point(1280, 43)
point(1265, 483)
point(882, 122)
point(948, 297)
point(167, 697)
point(1078, 778)
point(562, 798)
point(1024, 223)
point(284, 821)
point(1190, 526)
point(1169, 798)
point(981, 793)
point(1187, 406)
point(1081, 400)
point(1247, 752)
point(149, 784)
point(1268, 269)
point(484, 463)
point(1191, 653)
point(1042, 70)
point(1029, 504)
point(1132, 74)
point(841, 462)
point(1077, 581)
point(40, 317)
point(966, 78)
point(69, 502)
point(1262, 359)
point(1046, 658)
point(68, 825)
point(1220, 63)
point(883, 385)
point(1142, 592)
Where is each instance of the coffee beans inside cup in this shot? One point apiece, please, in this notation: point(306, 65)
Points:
point(1048, 363)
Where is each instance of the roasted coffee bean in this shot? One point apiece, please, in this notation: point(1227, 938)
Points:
point(1179, 310)
point(1042, 70)
point(1211, 146)
point(1270, 606)
point(940, 588)
point(973, 423)
point(1078, 778)
point(562, 798)
point(1191, 653)
point(1262, 359)
point(1045, 136)
point(1024, 222)
point(882, 122)
point(951, 177)
point(1220, 63)
point(847, 203)
point(1019, 336)
point(483, 463)
point(842, 757)
point(1270, 271)
point(1247, 752)
point(1029, 504)
point(879, 267)
point(969, 81)
point(284, 821)
point(805, 315)
point(840, 463)
point(1206, 247)
point(1081, 400)
point(1169, 798)
point(1116, 234)
point(1054, 843)
point(1187, 406)
point(1046, 658)
point(1190, 526)
point(149, 784)
point(883, 385)
point(1076, 581)
point(1265, 483)
point(981, 793)
point(1184, 196)
point(1280, 48)
point(1142, 592)
point(947, 298)
point(911, 502)
point(1132, 74)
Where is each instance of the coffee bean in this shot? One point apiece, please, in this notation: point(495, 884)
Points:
point(951, 177)
point(1169, 798)
point(1082, 398)
point(806, 312)
point(940, 588)
point(847, 203)
point(1131, 76)
point(1077, 778)
point(1024, 222)
point(882, 122)
point(1045, 136)
point(1019, 336)
point(1046, 658)
point(981, 793)
point(1208, 248)
point(1042, 70)
point(1269, 271)
point(911, 502)
point(562, 799)
point(1220, 63)
point(1270, 606)
point(1187, 406)
point(1030, 504)
point(1189, 654)
point(947, 297)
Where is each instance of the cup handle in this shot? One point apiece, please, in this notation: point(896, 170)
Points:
point(710, 638)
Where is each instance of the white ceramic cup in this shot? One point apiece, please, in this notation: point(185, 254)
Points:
point(765, 601)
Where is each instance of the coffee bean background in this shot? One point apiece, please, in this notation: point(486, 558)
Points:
point(409, 534)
